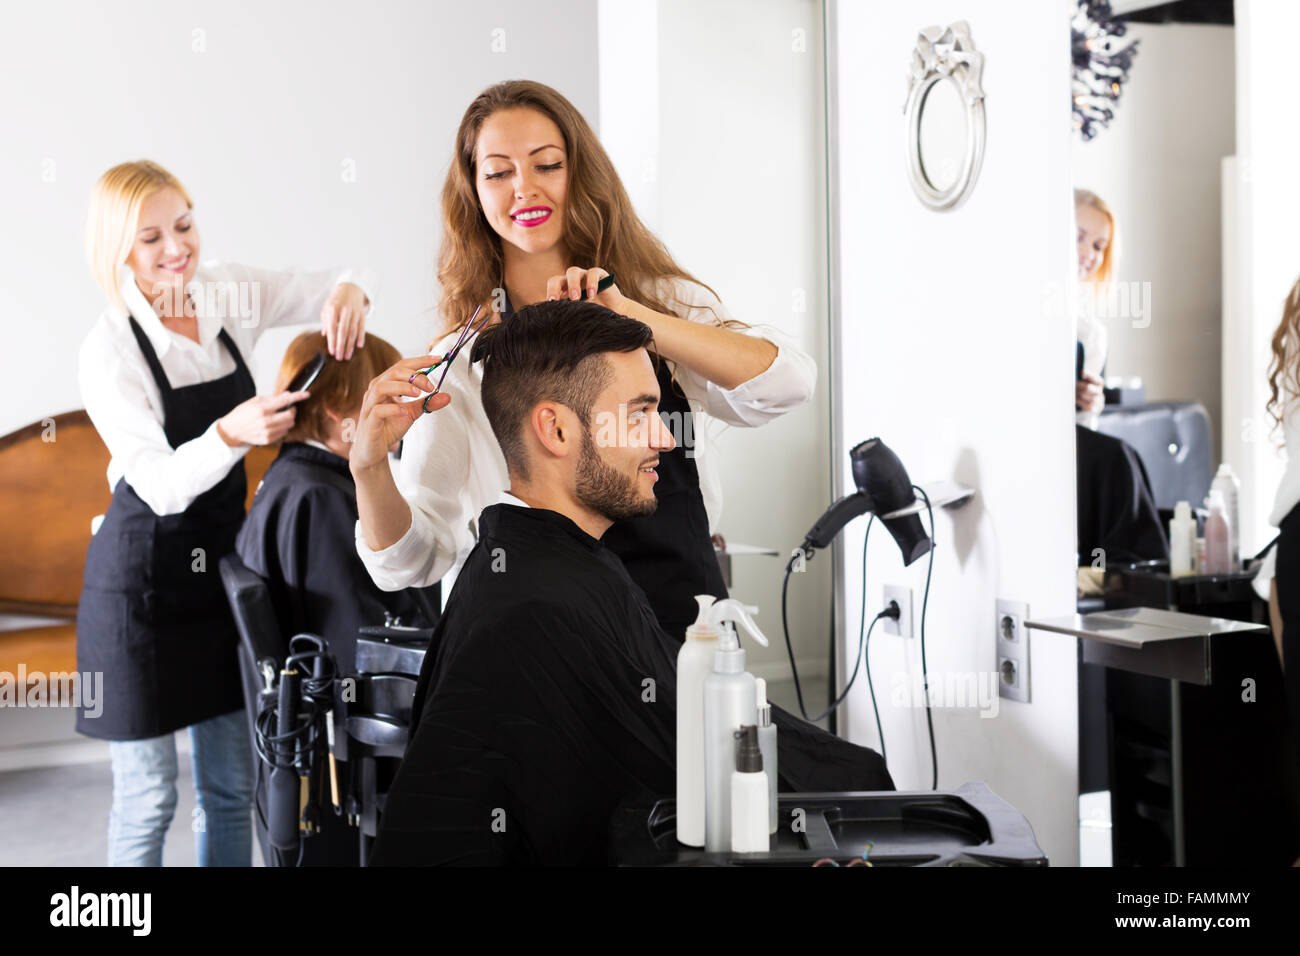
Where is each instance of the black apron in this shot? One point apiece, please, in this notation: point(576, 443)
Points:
point(670, 553)
point(153, 616)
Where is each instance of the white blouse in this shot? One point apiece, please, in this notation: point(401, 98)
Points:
point(452, 467)
point(1288, 490)
point(124, 403)
point(1092, 333)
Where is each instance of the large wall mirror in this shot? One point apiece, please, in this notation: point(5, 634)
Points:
point(1161, 419)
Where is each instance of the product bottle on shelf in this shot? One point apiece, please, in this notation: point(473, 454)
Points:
point(749, 816)
point(1182, 541)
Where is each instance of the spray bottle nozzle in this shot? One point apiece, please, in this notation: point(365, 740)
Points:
point(723, 613)
point(705, 601)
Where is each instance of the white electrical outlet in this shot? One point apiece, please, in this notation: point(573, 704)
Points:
point(903, 626)
point(1012, 649)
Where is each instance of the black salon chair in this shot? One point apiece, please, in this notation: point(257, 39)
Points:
point(377, 729)
point(259, 631)
point(1176, 446)
point(262, 651)
point(373, 723)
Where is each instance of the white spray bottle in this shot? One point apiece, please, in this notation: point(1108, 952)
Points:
point(730, 701)
point(694, 664)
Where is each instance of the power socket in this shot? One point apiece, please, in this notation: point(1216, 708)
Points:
point(1012, 650)
point(903, 626)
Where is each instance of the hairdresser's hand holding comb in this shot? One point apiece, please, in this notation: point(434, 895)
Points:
point(392, 403)
point(262, 420)
point(594, 284)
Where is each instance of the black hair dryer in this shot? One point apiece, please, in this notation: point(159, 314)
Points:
point(883, 488)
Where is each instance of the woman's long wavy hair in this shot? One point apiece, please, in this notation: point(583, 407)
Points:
point(600, 226)
point(1284, 366)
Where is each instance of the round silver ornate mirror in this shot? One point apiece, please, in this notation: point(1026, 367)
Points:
point(945, 116)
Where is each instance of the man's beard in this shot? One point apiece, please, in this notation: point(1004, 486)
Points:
point(607, 491)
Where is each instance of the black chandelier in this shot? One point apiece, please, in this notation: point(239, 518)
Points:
point(1102, 57)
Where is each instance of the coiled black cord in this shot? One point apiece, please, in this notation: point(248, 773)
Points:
point(287, 751)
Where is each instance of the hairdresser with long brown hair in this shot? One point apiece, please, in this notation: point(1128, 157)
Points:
point(1284, 597)
point(532, 209)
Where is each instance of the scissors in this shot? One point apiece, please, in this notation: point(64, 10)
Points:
point(467, 333)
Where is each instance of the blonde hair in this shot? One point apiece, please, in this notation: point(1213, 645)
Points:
point(600, 226)
point(1084, 197)
point(1284, 366)
point(115, 215)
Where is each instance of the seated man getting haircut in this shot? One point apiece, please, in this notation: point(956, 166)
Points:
point(548, 696)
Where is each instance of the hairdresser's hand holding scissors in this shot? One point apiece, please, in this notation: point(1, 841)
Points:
point(723, 356)
point(343, 320)
point(389, 409)
point(390, 406)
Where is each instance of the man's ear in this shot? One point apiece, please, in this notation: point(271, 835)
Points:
point(555, 428)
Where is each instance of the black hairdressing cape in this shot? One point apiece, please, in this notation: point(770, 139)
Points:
point(300, 536)
point(1116, 510)
point(549, 695)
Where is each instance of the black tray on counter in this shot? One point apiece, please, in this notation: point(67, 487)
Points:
point(970, 826)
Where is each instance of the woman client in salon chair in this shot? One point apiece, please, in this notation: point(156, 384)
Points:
point(299, 536)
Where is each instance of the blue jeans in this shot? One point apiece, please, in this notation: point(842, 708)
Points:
point(144, 795)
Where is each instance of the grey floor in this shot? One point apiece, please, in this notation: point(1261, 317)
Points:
point(58, 816)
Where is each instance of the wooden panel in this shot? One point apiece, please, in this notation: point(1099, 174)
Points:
point(52, 482)
point(256, 462)
point(51, 649)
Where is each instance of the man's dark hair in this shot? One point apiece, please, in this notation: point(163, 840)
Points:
point(549, 351)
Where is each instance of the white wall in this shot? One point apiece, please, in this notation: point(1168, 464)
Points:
point(258, 125)
point(950, 355)
point(1157, 166)
point(1267, 250)
point(713, 114)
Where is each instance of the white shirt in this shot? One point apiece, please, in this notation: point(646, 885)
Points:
point(1288, 491)
point(123, 400)
point(452, 467)
point(1092, 333)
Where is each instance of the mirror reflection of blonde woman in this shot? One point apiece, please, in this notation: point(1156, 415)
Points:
point(1096, 244)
